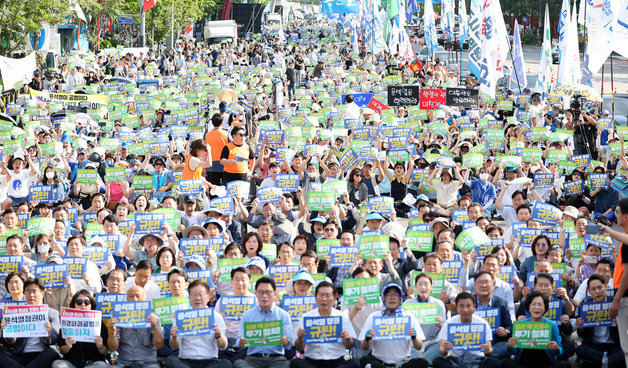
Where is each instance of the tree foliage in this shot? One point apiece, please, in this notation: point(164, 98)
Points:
point(18, 19)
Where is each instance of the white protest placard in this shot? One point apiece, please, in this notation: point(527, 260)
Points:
point(25, 321)
point(81, 325)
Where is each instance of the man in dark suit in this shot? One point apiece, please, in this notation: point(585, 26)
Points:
point(487, 303)
point(32, 352)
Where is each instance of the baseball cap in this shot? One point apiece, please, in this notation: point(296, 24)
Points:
point(196, 259)
point(258, 262)
point(303, 275)
point(374, 216)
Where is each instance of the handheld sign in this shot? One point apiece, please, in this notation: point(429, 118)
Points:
point(105, 302)
point(25, 321)
point(425, 313)
point(43, 194)
point(76, 266)
point(52, 275)
point(354, 288)
point(288, 183)
point(238, 188)
point(463, 97)
point(342, 256)
point(532, 335)
point(543, 180)
point(269, 195)
point(263, 333)
point(320, 201)
point(234, 306)
point(373, 246)
point(81, 325)
point(420, 241)
point(195, 322)
point(545, 213)
point(322, 330)
point(403, 95)
point(491, 315)
point(40, 225)
point(132, 314)
point(227, 264)
point(573, 187)
point(469, 238)
point(165, 308)
point(190, 187)
point(466, 336)
point(598, 181)
point(281, 274)
point(381, 204)
point(296, 306)
point(596, 314)
point(149, 223)
point(432, 98)
point(391, 328)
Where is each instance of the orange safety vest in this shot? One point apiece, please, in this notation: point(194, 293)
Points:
point(189, 173)
point(240, 167)
point(619, 269)
point(217, 139)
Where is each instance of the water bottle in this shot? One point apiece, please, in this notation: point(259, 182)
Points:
point(605, 360)
point(114, 357)
point(368, 365)
point(347, 354)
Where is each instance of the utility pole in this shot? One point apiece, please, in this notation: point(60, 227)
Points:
point(142, 25)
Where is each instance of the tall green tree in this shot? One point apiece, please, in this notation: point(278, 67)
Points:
point(19, 18)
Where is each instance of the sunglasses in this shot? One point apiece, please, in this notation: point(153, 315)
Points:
point(83, 302)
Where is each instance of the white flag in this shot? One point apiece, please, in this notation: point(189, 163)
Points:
point(494, 50)
point(545, 64)
point(518, 75)
point(75, 7)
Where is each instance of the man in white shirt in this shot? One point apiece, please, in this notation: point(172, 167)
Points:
point(537, 110)
point(353, 110)
point(465, 305)
point(325, 355)
point(143, 272)
point(201, 350)
point(392, 352)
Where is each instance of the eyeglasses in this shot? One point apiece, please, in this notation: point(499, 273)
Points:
point(83, 302)
point(392, 294)
point(241, 134)
point(268, 292)
point(359, 175)
point(329, 230)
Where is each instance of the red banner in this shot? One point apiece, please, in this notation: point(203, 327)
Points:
point(432, 98)
point(377, 106)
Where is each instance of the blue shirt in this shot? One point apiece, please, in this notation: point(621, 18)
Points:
point(482, 192)
point(256, 314)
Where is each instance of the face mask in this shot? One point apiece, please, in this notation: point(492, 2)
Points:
point(484, 176)
point(50, 175)
point(42, 248)
point(312, 175)
point(109, 163)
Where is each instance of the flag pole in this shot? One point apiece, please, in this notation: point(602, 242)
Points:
point(612, 92)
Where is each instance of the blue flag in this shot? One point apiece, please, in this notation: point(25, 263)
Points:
point(519, 75)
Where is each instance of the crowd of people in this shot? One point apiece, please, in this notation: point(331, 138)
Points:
point(481, 235)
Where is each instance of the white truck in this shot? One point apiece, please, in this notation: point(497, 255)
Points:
point(220, 30)
point(273, 23)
